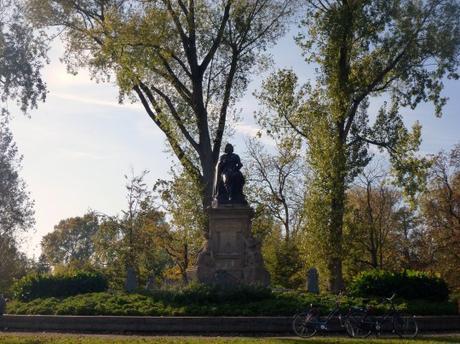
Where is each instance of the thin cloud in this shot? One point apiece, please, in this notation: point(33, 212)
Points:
point(84, 155)
point(94, 101)
point(247, 129)
point(252, 131)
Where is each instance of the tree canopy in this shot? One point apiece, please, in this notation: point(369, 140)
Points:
point(16, 207)
point(440, 206)
point(72, 241)
point(399, 49)
point(16, 210)
point(185, 61)
point(22, 57)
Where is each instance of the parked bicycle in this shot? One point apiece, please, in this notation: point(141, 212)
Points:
point(307, 324)
point(362, 325)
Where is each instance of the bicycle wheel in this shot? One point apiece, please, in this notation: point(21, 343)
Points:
point(358, 327)
point(305, 324)
point(405, 326)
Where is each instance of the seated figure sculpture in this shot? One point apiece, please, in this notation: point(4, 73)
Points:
point(229, 181)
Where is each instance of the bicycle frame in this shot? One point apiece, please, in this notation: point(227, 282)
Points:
point(376, 325)
point(308, 323)
point(322, 325)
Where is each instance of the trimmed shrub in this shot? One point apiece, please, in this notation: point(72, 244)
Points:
point(201, 293)
point(409, 285)
point(279, 303)
point(62, 285)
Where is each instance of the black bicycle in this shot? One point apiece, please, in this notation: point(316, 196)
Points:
point(362, 325)
point(307, 324)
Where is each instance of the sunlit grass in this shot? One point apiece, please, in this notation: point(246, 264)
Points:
point(6, 338)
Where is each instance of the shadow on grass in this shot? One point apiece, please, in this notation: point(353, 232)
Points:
point(382, 340)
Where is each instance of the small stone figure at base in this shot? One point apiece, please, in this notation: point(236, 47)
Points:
point(313, 281)
point(2, 304)
point(228, 186)
point(254, 270)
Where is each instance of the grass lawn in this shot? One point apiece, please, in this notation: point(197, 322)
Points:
point(39, 338)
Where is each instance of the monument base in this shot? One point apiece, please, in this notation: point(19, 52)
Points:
point(232, 255)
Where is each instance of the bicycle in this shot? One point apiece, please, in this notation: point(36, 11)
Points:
point(307, 324)
point(363, 325)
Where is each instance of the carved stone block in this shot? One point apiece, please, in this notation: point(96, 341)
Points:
point(232, 255)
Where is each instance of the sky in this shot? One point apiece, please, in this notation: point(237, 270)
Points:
point(79, 144)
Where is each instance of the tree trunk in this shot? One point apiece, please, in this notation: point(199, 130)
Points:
point(334, 259)
point(207, 187)
point(374, 259)
point(336, 284)
point(186, 263)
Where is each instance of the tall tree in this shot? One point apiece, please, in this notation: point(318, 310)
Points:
point(277, 182)
point(441, 216)
point(22, 56)
point(185, 61)
point(129, 241)
point(13, 263)
point(401, 49)
point(72, 241)
point(16, 210)
point(183, 238)
point(378, 226)
point(16, 207)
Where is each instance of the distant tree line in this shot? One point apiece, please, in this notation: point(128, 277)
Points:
point(159, 233)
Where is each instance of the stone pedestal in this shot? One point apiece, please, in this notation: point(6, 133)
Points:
point(232, 255)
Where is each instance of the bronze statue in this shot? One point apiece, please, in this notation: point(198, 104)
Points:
point(228, 186)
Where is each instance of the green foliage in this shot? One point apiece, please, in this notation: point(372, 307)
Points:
point(440, 210)
point(399, 49)
point(275, 181)
point(44, 286)
point(422, 307)
point(13, 264)
point(287, 268)
point(22, 56)
point(131, 239)
point(16, 207)
point(201, 294)
point(71, 242)
point(407, 284)
point(200, 300)
point(186, 64)
point(183, 238)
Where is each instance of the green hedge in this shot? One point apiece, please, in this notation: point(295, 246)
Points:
point(408, 285)
point(209, 301)
point(201, 293)
point(63, 285)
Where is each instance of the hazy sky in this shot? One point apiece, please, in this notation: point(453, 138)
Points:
point(78, 145)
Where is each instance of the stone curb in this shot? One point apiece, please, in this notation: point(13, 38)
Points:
point(177, 325)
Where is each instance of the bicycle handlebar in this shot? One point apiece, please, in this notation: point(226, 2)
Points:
point(391, 298)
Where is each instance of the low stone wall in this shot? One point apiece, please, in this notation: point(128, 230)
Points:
point(133, 324)
point(185, 325)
